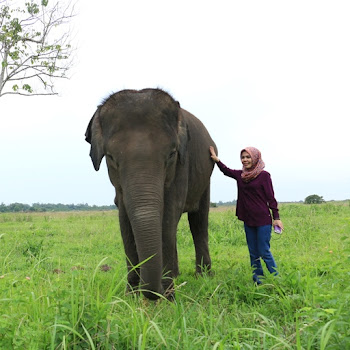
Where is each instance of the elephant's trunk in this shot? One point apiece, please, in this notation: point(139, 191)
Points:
point(144, 204)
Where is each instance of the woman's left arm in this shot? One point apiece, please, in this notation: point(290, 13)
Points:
point(271, 200)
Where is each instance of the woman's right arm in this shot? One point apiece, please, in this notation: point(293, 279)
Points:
point(227, 171)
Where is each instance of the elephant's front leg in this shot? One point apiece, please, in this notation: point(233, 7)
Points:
point(199, 228)
point(132, 258)
point(169, 247)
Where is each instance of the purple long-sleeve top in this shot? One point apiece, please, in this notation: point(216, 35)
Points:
point(255, 198)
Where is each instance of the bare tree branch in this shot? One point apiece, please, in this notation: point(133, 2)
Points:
point(32, 94)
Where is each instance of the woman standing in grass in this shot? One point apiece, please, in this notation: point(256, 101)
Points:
point(255, 202)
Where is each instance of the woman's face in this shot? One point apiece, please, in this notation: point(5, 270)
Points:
point(246, 160)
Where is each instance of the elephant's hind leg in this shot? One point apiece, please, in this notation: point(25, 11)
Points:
point(199, 228)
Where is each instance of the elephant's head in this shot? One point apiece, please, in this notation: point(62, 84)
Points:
point(143, 136)
point(152, 110)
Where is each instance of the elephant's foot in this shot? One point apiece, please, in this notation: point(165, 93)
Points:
point(170, 295)
point(169, 288)
point(203, 269)
point(133, 288)
point(169, 292)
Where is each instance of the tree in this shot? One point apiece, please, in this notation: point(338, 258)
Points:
point(34, 46)
point(314, 199)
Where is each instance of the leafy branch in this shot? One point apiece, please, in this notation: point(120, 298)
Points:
point(35, 46)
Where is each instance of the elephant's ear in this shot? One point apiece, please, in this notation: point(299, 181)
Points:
point(93, 135)
point(182, 136)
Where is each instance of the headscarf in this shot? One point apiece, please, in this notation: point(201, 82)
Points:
point(257, 164)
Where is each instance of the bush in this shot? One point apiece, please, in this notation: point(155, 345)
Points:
point(314, 199)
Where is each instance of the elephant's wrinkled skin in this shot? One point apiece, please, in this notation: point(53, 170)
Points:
point(158, 162)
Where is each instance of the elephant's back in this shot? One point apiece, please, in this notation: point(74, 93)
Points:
point(197, 128)
point(200, 165)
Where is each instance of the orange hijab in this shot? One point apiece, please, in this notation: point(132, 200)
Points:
point(257, 164)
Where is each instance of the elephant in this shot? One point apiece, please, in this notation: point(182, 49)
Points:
point(159, 164)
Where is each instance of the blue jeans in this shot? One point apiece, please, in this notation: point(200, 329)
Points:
point(258, 240)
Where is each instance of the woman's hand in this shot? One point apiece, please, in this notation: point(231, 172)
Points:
point(213, 154)
point(278, 223)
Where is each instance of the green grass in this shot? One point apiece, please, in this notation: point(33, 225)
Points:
point(63, 277)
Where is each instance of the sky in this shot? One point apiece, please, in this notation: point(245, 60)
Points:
point(274, 75)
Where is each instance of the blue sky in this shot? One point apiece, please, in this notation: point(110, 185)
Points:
point(269, 74)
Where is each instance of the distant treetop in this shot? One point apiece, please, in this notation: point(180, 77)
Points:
point(314, 199)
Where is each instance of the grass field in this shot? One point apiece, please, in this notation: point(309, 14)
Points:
point(63, 277)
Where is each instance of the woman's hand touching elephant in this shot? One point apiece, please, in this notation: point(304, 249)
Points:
point(213, 154)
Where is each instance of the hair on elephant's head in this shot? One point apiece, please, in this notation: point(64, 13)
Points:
point(152, 109)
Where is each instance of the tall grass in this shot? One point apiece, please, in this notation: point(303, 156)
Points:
point(63, 278)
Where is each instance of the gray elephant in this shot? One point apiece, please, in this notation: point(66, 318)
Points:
point(157, 159)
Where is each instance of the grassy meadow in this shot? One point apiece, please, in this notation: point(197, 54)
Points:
point(63, 278)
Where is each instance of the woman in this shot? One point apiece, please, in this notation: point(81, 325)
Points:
point(255, 203)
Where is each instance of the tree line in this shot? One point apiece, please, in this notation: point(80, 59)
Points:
point(220, 203)
point(44, 207)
